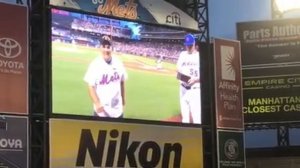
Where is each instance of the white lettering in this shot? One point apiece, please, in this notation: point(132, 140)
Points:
point(11, 143)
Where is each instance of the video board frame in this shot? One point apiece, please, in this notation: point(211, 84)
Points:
point(53, 113)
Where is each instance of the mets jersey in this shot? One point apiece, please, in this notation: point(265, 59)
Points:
point(106, 78)
point(189, 64)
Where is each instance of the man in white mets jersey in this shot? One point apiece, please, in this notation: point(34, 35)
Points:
point(188, 73)
point(105, 77)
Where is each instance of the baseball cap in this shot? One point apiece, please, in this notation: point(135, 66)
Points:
point(189, 40)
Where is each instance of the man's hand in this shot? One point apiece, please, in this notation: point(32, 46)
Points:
point(193, 81)
point(183, 77)
point(99, 108)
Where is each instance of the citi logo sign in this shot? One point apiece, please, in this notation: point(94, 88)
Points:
point(19, 2)
point(114, 149)
point(173, 18)
point(9, 48)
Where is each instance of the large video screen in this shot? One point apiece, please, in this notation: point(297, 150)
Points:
point(106, 67)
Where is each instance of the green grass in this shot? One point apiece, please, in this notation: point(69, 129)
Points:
point(148, 95)
point(151, 96)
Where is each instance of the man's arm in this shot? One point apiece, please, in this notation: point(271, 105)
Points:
point(123, 92)
point(95, 99)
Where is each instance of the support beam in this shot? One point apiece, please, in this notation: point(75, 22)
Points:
point(39, 84)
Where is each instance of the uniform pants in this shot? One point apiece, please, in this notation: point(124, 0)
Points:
point(190, 104)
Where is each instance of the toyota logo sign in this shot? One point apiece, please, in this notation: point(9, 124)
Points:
point(9, 48)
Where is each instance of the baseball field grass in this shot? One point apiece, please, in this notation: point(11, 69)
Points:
point(150, 94)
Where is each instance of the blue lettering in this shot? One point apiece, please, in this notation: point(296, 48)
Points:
point(189, 64)
point(106, 80)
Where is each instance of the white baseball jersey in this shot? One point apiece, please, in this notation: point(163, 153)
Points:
point(107, 78)
point(190, 98)
point(189, 64)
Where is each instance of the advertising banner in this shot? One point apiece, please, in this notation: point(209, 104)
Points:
point(13, 59)
point(272, 98)
point(152, 11)
point(79, 143)
point(228, 86)
point(13, 142)
point(271, 84)
point(270, 43)
point(231, 149)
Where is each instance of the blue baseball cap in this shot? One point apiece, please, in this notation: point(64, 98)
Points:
point(189, 40)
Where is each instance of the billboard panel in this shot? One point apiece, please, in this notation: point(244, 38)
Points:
point(79, 143)
point(271, 85)
point(13, 59)
point(231, 149)
point(228, 86)
point(152, 11)
point(270, 43)
point(14, 142)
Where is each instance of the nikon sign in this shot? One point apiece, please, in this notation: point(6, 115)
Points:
point(94, 144)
